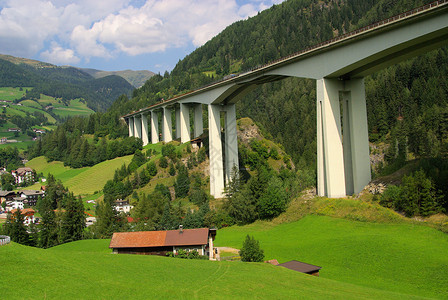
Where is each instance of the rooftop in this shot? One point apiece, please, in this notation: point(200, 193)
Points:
point(198, 236)
point(300, 266)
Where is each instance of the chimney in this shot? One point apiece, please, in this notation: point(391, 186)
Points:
point(181, 229)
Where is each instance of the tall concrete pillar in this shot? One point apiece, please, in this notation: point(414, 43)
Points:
point(137, 127)
point(131, 126)
point(178, 134)
point(184, 123)
point(355, 136)
point(145, 130)
point(215, 149)
point(231, 141)
point(154, 127)
point(198, 125)
point(330, 156)
point(167, 126)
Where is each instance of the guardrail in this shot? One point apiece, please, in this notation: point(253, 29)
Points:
point(4, 239)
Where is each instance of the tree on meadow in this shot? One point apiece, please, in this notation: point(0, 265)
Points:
point(73, 220)
point(251, 251)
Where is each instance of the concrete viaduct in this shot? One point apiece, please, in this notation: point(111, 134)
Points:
point(338, 66)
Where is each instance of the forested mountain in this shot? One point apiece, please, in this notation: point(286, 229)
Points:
point(66, 83)
point(395, 95)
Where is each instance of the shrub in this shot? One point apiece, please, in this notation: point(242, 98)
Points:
point(163, 163)
point(251, 252)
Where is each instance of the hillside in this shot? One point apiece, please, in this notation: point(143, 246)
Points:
point(66, 83)
point(83, 181)
point(358, 259)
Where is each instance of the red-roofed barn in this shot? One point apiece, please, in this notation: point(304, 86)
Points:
point(161, 242)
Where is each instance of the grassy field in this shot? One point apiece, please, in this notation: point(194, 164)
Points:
point(85, 180)
point(11, 94)
point(402, 258)
point(88, 270)
point(76, 108)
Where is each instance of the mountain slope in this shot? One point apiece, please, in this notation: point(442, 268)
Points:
point(66, 83)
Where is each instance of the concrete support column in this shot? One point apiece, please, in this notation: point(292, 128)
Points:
point(198, 125)
point(137, 127)
point(231, 141)
point(184, 123)
point(355, 136)
point(177, 117)
point(167, 128)
point(131, 126)
point(154, 128)
point(330, 156)
point(145, 130)
point(215, 149)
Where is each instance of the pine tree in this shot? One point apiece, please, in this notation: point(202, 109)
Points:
point(48, 236)
point(182, 184)
point(73, 220)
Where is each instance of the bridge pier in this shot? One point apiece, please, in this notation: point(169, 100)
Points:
point(221, 164)
point(177, 117)
point(198, 125)
point(137, 127)
point(343, 165)
point(231, 141)
point(154, 127)
point(131, 126)
point(167, 128)
point(184, 120)
point(145, 130)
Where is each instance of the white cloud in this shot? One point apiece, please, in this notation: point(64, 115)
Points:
point(88, 28)
point(59, 55)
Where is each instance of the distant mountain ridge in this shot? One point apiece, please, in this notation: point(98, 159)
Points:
point(136, 78)
point(64, 82)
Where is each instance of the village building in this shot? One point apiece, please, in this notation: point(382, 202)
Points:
point(122, 206)
point(23, 174)
point(162, 242)
point(15, 203)
point(301, 267)
point(31, 196)
point(7, 196)
point(28, 214)
point(14, 129)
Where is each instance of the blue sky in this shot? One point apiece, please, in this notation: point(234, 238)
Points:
point(116, 34)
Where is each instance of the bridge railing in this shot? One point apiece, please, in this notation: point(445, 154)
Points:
point(4, 239)
point(357, 31)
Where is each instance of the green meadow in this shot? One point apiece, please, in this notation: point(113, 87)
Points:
point(85, 180)
point(88, 270)
point(11, 93)
point(401, 258)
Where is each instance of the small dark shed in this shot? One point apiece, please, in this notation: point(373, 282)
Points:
point(301, 267)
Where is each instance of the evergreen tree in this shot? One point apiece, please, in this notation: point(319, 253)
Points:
point(48, 234)
point(16, 229)
point(73, 220)
point(251, 252)
point(182, 184)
